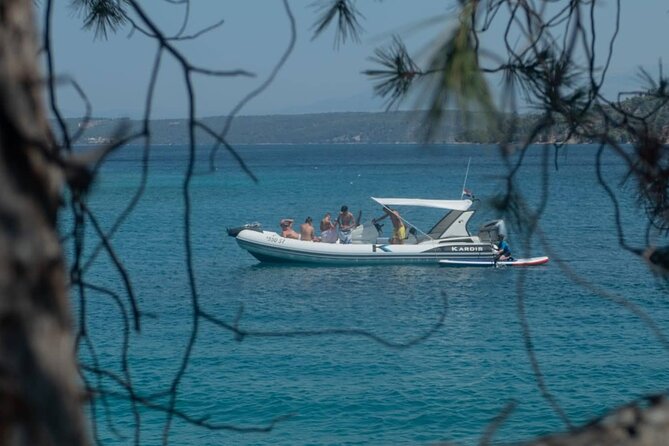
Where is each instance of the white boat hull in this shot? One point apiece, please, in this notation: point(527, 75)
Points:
point(269, 246)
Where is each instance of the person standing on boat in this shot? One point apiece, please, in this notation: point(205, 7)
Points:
point(307, 231)
point(399, 231)
point(328, 229)
point(503, 249)
point(346, 222)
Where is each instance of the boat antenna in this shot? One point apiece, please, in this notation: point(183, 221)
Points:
point(464, 185)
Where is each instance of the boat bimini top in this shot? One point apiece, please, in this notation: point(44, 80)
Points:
point(452, 205)
point(452, 224)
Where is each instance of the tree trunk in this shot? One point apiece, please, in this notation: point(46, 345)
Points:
point(40, 393)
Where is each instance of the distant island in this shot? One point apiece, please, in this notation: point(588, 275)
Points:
point(393, 127)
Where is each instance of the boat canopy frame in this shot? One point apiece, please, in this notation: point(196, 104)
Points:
point(455, 209)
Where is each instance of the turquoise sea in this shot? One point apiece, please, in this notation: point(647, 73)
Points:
point(348, 388)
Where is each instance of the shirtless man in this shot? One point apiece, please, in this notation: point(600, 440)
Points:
point(287, 230)
point(399, 231)
point(346, 222)
point(307, 231)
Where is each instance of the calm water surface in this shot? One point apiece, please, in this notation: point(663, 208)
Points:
point(349, 389)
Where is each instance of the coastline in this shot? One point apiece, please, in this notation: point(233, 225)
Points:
point(344, 128)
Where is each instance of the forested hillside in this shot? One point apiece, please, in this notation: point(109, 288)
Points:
point(389, 127)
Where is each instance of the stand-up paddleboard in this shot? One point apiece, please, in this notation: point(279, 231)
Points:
point(532, 261)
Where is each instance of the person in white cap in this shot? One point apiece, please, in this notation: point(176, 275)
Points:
point(287, 229)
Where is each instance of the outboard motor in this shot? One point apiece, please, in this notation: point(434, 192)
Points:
point(490, 231)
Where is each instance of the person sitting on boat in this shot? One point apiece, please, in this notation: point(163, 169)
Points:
point(399, 231)
point(328, 229)
point(287, 230)
point(503, 250)
point(346, 222)
point(307, 231)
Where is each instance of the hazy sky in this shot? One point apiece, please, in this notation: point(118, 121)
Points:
point(317, 77)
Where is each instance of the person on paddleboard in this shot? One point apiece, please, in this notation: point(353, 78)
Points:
point(503, 249)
